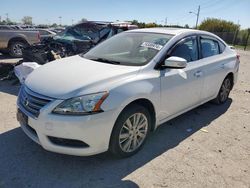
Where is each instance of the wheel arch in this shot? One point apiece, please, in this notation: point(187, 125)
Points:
point(15, 39)
point(145, 103)
point(142, 102)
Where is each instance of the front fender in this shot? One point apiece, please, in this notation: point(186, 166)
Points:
point(125, 94)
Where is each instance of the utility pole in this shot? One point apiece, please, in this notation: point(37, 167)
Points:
point(166, 21)
point(60, 20)
point(236, 33)
point(197, 16)
point(7, 18)
point(246, 43)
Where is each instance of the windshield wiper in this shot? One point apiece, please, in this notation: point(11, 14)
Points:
point(106, 61)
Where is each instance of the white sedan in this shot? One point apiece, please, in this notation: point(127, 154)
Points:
point(112, 97)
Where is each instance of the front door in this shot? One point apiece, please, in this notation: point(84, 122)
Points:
point(181, 88)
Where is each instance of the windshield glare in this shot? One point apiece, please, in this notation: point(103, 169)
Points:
point(129, 48)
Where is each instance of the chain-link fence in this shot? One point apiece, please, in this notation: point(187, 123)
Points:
point(239, 39)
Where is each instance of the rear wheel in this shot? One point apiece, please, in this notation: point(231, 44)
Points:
point(130, 132)
point(224, 91)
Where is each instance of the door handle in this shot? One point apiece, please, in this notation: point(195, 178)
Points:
point(222, 66)
point(198, 74)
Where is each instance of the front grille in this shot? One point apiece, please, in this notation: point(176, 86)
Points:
point(31, 101)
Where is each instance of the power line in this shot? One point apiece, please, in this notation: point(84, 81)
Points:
point(213, 3)
point(207, 3)
point(207, 8)
point(185, 19)
point(218, 9)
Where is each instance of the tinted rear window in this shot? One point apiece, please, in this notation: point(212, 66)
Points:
point(209, 47)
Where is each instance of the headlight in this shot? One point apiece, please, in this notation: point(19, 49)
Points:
point(82, 105)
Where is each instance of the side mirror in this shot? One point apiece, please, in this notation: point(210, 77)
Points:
point(175, 63)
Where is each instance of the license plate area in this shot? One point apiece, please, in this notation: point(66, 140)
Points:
point(21, 117)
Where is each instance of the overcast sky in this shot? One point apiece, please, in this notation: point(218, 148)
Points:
point(176, 12)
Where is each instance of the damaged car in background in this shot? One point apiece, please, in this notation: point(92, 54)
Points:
point(12, 41)
point(76, 39)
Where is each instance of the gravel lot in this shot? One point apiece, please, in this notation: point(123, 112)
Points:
point(218, 156)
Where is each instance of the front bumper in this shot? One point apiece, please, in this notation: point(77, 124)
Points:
point(92, 130)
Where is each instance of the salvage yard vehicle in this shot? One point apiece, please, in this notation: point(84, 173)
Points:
point(74, 40)
point(7, 27)
point(46, 33)
point(12, 41)
point(113, 96)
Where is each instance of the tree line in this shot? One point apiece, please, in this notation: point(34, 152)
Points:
point(227, 30)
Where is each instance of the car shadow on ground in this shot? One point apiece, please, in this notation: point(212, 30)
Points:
point(7, 86)
point(6, 56)
point(25, 164)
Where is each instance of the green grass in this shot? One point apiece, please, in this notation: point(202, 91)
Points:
point(240, 47)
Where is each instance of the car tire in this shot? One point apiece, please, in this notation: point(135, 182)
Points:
point(15, 48)
point(130, 131)
point(224, 92)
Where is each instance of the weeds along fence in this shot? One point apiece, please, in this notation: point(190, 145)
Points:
point(238, 38)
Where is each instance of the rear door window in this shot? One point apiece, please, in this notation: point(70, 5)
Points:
point(209, 47)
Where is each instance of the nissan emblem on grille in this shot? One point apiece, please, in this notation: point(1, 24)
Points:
point(26, 102)
point(32, 102)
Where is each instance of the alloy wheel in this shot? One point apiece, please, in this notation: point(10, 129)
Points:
point(133, 132)
point(17, 49)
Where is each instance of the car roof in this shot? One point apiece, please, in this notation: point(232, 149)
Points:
point(170, 31)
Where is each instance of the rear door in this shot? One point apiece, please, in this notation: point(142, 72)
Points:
point(181, 88)
point(214, 62)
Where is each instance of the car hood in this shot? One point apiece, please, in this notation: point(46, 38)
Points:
point(75, 76)
point(68, 38)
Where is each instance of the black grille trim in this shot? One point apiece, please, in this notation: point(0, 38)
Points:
point(68, 142)
point(33, 131)
point(32, 102)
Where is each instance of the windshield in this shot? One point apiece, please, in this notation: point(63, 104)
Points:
point(129, 48)
point(76, 33)
point(85, 31)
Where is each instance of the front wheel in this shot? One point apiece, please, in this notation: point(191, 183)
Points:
point(15, 48)
point(224, 91)
point(130, 131)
